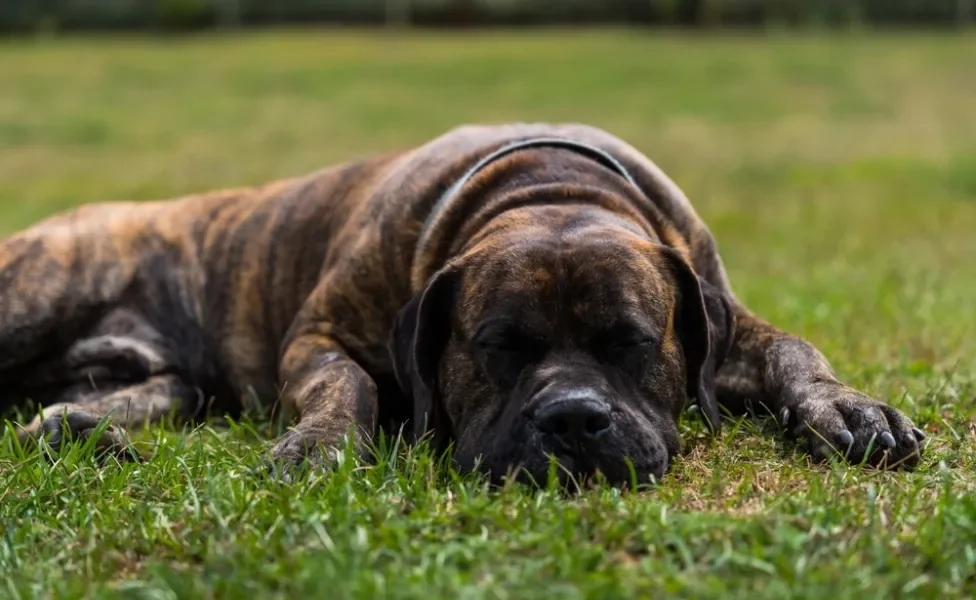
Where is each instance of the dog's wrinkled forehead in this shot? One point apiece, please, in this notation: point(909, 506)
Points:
point(591, 274)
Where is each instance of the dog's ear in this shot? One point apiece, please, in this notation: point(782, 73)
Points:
point(416, 345)
point(705, 325)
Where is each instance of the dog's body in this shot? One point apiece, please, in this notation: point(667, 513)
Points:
point(291, 291)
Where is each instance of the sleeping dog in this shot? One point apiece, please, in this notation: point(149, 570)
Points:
point(520, 292)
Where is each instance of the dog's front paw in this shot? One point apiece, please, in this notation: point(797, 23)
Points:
point(298, 451)
point(74, 425)
point(838, 420)
point(297, 446)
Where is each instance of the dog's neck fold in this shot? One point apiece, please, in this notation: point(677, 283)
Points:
point(444, 211)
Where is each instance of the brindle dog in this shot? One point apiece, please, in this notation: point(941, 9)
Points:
point(560, 297)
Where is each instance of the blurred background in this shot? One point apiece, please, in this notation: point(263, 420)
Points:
point(26, 15)
point(829, 144)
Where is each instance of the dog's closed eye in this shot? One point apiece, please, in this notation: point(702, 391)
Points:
point(626, 337)
point(508, 339)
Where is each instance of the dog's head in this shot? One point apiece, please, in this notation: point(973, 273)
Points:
point(565, 332)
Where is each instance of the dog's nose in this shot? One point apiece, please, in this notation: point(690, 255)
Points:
point(573, 417)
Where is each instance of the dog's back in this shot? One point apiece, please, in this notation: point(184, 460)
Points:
point(221, 273)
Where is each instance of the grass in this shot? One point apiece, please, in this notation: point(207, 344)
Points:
point(838, 174)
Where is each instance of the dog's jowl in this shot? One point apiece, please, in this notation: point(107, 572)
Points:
point(521, 292)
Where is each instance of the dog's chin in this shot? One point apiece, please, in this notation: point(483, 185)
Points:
point(539, 464)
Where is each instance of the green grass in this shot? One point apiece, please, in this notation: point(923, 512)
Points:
point(838, 174)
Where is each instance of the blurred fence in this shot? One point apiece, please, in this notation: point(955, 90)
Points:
point(34, 15)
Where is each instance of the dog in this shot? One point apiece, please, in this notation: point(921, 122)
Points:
point(517, 293)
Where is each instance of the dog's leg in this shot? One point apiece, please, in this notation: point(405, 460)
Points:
point(78, 415)
point(333, 395)
point(128, 379)
point(793, 379)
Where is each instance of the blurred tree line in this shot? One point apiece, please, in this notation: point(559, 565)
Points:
point(94, 15)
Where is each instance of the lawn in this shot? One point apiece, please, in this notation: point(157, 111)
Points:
point(837, 173)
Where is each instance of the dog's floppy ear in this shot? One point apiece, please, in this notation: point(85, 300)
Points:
point(705, 325)
point(416, 345)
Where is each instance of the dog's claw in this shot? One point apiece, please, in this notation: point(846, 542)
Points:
point(846, 438)
point(784, 417)
point(888, 440)
point(279, 470)
point(919, 434)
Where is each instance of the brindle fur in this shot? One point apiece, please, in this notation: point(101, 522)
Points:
point(291, 291)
